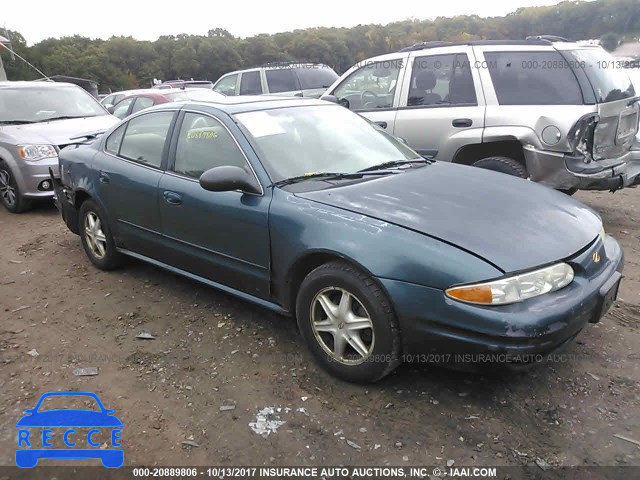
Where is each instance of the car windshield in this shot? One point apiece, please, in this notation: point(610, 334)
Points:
point(43, 103)
point(609, 82)
point(296, 141)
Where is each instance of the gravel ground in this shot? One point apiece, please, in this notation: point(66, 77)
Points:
point(59, 313)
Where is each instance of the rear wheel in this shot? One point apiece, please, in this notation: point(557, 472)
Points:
point(96, 237)
point(503, 165)
point(348, 323)
point(10, 193)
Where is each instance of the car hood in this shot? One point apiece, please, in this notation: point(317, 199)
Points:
point(69, 418)
point(57, 132)
point(512, 223)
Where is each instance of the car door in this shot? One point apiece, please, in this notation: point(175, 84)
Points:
point(372, 89)
point(442, 105)
point(221, 236)
point(129, 169)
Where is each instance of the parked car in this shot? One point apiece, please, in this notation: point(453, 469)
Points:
point(304, 208)
point(37, 119)
point(548, 110)
point(282, 78)
point(115, 97)
point(140, 100)
point(184, 84)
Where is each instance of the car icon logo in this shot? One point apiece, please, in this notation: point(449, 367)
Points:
point(596, 257)
point(32, 447)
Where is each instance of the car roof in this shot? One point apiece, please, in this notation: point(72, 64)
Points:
point(34, 84)
point(249, 103)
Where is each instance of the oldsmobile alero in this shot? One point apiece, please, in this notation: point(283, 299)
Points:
point(307, 209)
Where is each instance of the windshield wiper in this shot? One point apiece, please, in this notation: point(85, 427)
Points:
point(61, 117)
point(326, 176)
point(394, 163)
point(16, 122)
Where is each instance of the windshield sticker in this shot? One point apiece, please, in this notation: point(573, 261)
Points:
point(261, 124)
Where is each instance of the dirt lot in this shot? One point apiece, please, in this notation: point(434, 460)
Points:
point(59, 313)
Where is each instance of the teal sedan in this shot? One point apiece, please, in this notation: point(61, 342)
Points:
point(309, 210)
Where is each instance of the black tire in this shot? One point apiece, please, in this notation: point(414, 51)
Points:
point(382, 339)
point(503, 165)
point(10, 195)
point(110, 258)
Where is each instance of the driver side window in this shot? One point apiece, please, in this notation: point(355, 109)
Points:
point(371, 87)
point(204, 143)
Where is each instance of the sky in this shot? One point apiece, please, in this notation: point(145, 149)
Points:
point(146, 20)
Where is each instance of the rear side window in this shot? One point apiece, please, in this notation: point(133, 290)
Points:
point(145, 138)
point(441, 80)
point(250, 83)
point(315, 76)
point(141, 104)
point(533, 78)
point(281, 80)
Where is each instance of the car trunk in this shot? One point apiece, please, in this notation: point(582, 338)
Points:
point(614, 94)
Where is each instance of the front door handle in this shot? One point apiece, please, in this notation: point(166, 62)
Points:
point(381, 124)
point(172, 198)
point(462, 122)
point(104, 177)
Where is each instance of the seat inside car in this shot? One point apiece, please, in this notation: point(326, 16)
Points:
point(421, 92)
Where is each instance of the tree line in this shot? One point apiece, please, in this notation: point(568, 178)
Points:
point(124, 62)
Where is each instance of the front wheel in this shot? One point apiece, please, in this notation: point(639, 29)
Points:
point(348, 323)
point(10, 195)
point(96, 237)
point(503, 165)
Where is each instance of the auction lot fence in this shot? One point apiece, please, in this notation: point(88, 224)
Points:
point(325, 472)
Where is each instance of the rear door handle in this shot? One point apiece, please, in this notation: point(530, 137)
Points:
point(462, 122)
point(382, 124)
point(104, 177)
point(172, 198)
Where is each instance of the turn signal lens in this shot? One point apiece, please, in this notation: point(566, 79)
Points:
point(516, 288)
point(480, 294)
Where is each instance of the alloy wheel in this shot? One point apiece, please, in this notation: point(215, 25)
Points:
point(96, 239)
point(7, 191)
point(342, 326)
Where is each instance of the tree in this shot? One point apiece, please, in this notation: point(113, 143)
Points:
point(609, 41)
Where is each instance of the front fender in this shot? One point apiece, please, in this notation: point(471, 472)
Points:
point(302, 227)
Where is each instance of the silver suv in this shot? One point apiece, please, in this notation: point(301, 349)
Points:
point(282, 78)
point(37, 119)
point(544, 108)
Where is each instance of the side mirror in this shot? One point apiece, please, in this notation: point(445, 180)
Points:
point(329, 98)
point(110, 108)
point(228, 179)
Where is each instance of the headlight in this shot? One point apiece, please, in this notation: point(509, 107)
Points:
point(515, 289)
point(36, 152)
point(602, 233)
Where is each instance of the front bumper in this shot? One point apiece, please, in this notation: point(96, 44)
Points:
point(30, 175)
point(562, 171)
point(437, 329)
